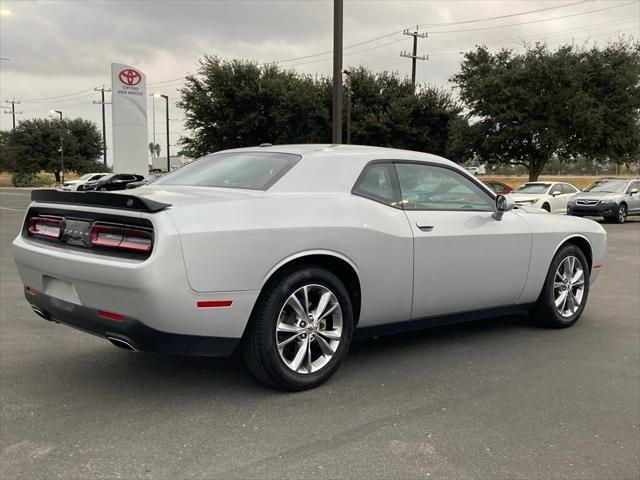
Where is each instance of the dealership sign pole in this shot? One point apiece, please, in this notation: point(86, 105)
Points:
point(129, 115)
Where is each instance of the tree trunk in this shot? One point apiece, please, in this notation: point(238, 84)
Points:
point(535, 168)
point(56, 174)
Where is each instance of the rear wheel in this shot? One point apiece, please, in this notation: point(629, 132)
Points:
point(565, 291)
point(300, 329)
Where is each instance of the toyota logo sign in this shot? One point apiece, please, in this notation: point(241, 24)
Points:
point(129, 77)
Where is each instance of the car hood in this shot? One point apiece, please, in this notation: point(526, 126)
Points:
point(182, 196)
point(594, 195)
point(520, 197)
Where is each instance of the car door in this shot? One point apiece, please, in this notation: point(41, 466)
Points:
point(555, 201)
point(119, 182)
point(458, 243)
point(634, 198)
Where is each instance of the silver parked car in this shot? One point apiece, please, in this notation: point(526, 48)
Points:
point(611, 198)
point(289, 252)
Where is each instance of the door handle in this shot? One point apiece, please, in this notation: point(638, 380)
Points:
point(424, 227)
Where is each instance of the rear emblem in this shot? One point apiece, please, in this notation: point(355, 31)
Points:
point(130, 202)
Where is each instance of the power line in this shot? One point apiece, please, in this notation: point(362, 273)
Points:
point(426, 25)
point(44, 99)
point(499, 17)
point(532, 21)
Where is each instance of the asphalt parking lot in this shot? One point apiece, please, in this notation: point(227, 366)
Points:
point(492, 399)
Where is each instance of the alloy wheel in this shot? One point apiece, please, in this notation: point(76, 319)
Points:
point(568, 286)
point(309, 329)
point(622, 214)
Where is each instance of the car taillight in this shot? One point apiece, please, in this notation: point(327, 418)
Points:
point(50, 227)
point(126, 238)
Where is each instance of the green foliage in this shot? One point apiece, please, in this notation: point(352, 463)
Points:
point(526, 108)
point(238, 103)
point(28, 179)
point(35, 146)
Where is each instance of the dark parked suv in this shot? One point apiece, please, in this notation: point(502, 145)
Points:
point(611, 198)
point(113, 181)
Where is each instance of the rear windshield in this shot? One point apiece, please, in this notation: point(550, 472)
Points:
point(250, 170)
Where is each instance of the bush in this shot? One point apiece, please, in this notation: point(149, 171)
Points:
point(25, 179)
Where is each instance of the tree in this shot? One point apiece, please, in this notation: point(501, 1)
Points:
point(237, 103)
point(35, 145)
point(154, 149)
point(525, 108)
point(386, 112)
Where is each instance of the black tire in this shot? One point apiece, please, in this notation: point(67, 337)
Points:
point(259, 342)
point(544, 312)
point(102, 189)
point(546, 207)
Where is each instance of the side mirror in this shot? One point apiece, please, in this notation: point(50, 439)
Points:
point(503, 204)
point(633, 191)
point(556, 192)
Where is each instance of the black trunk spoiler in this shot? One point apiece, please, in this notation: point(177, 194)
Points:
point(99, 199)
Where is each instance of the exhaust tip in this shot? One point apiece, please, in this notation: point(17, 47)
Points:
point(41, 313)
point(119, 342)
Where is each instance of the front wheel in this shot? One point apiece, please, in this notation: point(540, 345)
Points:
point(621, 217)
point(565, 291)
point(300, 329)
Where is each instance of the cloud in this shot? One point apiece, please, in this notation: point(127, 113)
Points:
point(57, 47)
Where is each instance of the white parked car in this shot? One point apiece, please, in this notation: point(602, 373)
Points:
point(72, 185)
point(550, 196)
point(289, 252)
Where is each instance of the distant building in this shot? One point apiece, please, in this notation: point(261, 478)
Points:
point(159, 164)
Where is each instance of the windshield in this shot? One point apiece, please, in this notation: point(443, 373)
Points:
point(87, 176)
point(607, 186)
point(249, 170)
point(532, 188)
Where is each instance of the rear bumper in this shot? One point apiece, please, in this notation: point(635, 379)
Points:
point(153, 291)
point(129, 332)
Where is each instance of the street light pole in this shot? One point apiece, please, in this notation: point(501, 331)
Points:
point(166, 99)
point(348, 74)
point(59, 112)
point(337, 72)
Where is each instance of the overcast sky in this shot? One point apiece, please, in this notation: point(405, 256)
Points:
point(63, 49)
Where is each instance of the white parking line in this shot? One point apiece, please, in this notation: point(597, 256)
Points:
point(12, 209)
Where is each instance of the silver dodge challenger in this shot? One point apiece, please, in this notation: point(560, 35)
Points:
point(288, 253)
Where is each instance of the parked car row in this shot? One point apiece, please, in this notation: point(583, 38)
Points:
point(613, 199)
point(107, 182)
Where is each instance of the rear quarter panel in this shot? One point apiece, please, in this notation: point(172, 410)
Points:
point(237, 245)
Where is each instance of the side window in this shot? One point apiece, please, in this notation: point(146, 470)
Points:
point(428, 187)
point(556, 187)
point(568, 189)
point(633, 185)
point(377, 183)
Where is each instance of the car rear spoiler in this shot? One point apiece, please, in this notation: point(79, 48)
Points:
point(99, 199)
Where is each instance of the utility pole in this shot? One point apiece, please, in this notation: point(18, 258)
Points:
point(13, 110)
point(59, 112)
point(337, 72)
point(414, 56)
point(104, 128)
point(348, 74)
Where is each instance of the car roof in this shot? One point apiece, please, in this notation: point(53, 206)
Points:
point(306, 149)
point(345, 162)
